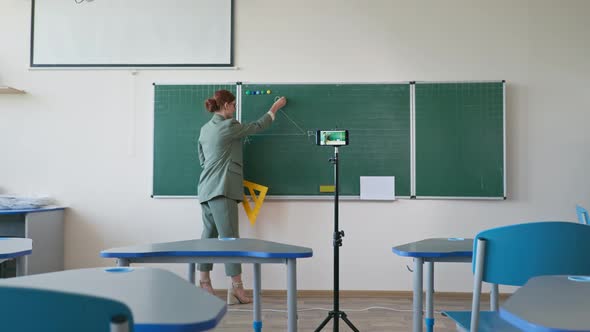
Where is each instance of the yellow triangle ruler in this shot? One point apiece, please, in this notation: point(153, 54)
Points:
point(252, 213)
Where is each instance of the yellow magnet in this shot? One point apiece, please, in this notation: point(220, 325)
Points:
point(327, 189)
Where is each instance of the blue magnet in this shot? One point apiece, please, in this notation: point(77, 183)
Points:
point(118, 269)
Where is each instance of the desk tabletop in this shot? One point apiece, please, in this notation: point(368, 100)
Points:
point(437, 247)
point(158, 299)
point(21, 211)
point(229, 247)
point(11, 247)
point(550, 304)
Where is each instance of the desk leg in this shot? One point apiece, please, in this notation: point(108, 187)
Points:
point(119, 323)
point(494, 292)
point(21, 266)
point(122, 262)
point(292, 294)
point(418, 261)
point(46, 229)
point(191, 273)
point(429, 320)
point(257, 324)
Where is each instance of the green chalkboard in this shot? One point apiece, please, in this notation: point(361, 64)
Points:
point(458, 130)
point(285, 157)
point(459, 139)
point(179, 113)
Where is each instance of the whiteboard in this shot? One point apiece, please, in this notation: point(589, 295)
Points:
point(131, 33)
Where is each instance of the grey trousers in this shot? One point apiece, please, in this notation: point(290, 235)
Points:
point(220, 219)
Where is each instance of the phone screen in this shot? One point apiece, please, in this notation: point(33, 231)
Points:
point(332, 137)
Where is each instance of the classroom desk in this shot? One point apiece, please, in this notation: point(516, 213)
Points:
point(17, 249)
point(223, 251)
point(550, 304)
point(45, 226)
point(429, 251)
point(158, 299)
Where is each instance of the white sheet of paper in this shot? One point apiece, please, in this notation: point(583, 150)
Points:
point(381, 188)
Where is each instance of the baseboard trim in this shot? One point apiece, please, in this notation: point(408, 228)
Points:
point(363, 294)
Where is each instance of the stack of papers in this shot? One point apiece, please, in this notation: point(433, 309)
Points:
point(16, 203)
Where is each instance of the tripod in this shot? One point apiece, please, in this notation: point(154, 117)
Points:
point(338, 235)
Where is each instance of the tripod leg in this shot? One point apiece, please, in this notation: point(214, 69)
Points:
point(348, 322)
point(330, 316)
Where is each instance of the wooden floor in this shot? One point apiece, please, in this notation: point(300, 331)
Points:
point(374, 320)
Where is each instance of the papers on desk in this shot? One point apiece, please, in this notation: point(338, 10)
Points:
point(17, 203)
point(380, 188)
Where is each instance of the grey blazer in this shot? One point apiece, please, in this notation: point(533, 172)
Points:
point(220, 156)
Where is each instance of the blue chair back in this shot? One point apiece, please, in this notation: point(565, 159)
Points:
point(516, 253)
point(33, 310)
point(582, 215)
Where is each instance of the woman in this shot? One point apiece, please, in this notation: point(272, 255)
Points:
point(221, 182)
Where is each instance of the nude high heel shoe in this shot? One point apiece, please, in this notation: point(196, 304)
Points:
point(206, 286)
point(237, 295)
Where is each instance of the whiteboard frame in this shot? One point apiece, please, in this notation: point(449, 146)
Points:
point(131, 65)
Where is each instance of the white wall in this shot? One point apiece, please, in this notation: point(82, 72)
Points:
point(85, 136)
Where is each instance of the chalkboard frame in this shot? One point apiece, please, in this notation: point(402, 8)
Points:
point(412, 140)
point(414, 195)
point(154, 128)
point(344, 197)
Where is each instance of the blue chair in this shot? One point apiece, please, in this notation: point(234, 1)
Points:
point(33, 310)
point(510, 255)
point(582, 215)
